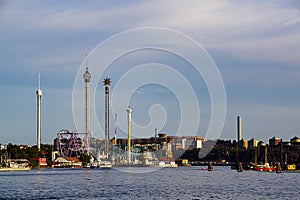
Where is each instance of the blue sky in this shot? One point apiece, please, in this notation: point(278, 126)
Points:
point(255, 45)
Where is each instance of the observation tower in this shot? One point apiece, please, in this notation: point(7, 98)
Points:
point(87, 78)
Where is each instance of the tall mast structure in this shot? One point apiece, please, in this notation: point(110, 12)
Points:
point(106, 83)
point(87, 79)
point(39, 99)
point(115, 131)
point(128, 137)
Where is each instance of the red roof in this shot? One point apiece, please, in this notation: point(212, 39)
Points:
point(73, 159)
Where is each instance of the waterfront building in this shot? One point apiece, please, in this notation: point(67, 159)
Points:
point(245, 144)
point(41, 162)
point(274, 141)
point(67, 162)
point(164, 142)
point(252, 143)
point(295, 139)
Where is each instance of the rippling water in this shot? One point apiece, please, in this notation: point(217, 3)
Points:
point(168, 183)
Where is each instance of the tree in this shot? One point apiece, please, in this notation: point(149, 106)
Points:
point(84, 158)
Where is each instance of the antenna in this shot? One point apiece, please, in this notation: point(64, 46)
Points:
point(86, 62)
point(39, 81)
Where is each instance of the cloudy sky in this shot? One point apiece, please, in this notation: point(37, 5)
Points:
point(254, 44)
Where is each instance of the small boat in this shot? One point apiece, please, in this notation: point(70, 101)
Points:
point(15, 165)
point(265, 167)
point(94, 165)
point(105, 164)
point(164, 164)
point(167, 162)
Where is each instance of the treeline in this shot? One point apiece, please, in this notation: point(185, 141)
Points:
point(13, 151)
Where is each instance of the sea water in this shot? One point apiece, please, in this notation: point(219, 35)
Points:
point(148, 183)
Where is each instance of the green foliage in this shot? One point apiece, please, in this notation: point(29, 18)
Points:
point(25, 152)
point(84, 158)
point(33, 163)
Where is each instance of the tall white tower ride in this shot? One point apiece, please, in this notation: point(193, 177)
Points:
point(87, 78)
point(39, 98)
point(128, 137)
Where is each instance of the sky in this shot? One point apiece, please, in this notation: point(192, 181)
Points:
point(254, 44)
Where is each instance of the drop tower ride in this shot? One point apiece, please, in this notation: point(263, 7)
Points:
point(39, 99)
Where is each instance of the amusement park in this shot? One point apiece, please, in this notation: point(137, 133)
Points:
point(69, 146)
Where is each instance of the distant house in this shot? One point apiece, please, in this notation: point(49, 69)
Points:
point(252, 143)
point(274, 141)
point(295, 139)
point(42, 162)
point(67, 162)
point(243, 144)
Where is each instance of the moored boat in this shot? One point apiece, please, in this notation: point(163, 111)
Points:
point(15, 165)
point(105, 164)
point(265, 167)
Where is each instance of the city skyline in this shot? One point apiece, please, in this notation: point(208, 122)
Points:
point(254, 44)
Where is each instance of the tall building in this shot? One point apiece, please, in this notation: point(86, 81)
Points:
point(39, 99)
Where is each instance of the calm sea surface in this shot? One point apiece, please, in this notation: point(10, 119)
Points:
point(148, 183)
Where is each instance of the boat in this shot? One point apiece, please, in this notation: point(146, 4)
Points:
point(265, 167)
point(15, 165)
point(183, 163)
point(105, 164)
point(291, 167)
point(94, 165)
point(167, 162)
